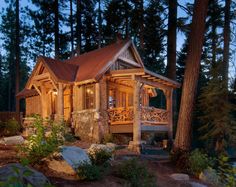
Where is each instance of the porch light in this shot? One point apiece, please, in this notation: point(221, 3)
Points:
point(54, 92)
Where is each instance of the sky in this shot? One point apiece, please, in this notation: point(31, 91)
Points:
point(180, 36)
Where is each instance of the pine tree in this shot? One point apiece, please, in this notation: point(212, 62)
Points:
point(10, 46)
point(183, 134)
point(154, 33)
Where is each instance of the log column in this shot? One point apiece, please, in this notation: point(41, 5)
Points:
point(169, 108)
point(44, 103)
point(60, 102)
point(97, 96)
point(136, 146)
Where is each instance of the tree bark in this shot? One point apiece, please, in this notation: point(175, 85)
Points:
point(71, 26)
point(56, 29)
point(78, 26)
point(17, 55)
point(183, 134)
point(171, 40)
point(226, 42)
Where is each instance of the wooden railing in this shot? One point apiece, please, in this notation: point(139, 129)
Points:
point(121, 115)
point(154, 115)
point(149, 115)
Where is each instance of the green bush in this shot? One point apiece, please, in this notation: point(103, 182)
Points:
point(136, 174)
point(180, 159)
point(198, 162)
point(225, 171)
point(100, 157)
point(39, 145)
point(107, 138)
point(11, 128)
point(89, 172)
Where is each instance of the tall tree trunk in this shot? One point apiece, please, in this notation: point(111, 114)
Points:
point(99, 24)
point(17, 54)
point(226, 42)
point(171, 40)
point(78, 26)
point(71, 26)
point(183, 134)
point(56, 29)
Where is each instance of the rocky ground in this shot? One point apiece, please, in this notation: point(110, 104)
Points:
point(158, 164)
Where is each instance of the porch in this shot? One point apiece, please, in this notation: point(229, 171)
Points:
point(137, 115)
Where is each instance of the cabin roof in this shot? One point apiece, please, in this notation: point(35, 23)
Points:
point(27, 93)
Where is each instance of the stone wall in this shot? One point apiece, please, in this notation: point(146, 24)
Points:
point(86, 124)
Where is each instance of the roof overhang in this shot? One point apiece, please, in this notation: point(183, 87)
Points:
point(145, 76)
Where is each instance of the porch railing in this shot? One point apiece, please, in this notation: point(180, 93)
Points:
point(149, 115)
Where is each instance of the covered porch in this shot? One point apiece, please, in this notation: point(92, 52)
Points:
point(139, 116)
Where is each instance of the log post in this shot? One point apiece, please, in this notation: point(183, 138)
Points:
point(44, 107)
point(169, 108)
point(97, 96)
point(60, 102)
point(136, 146)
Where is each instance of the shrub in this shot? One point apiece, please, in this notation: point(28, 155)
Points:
point(99, 157)
point(225, 171)
point(88, 172)
point(198, 162)
point(136, 174)
point(12, 127)
point(39, 145)
point(180, 159)
point(108, 138)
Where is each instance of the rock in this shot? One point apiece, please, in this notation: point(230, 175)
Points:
point(180, 176)
point(196, 184)
point(13, 140)
point(75, 156)
point(26, 175)
point(68, 160)
point(209, 175)
point(60, 166)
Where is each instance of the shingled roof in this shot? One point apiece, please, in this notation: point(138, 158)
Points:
point(86, 66)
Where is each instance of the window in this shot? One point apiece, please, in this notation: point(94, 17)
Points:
point(89, 93)
point(112, 100)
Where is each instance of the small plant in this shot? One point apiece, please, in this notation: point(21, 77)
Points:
point(11, 127)
point(88, 172)
point(39, 145)
point(136, 174)
point(99, 157)
point(108, 138)
point(225, 171)
point(198, 162)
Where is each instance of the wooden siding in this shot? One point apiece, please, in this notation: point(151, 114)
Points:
point(33, 105)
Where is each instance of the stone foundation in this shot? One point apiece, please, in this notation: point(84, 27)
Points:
point(88, 125)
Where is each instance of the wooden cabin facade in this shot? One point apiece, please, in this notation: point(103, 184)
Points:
point(100, 92)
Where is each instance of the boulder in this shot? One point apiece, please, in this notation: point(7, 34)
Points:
point(180, 176)
point(74, 156)
point(68, 160)
point(196, 184)
point(209, 175)
point(12, 140)
point(22, 174)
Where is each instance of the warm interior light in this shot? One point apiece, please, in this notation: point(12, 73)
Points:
point(54, 92)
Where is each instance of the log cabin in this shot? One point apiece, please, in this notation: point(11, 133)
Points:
point(101, 92)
